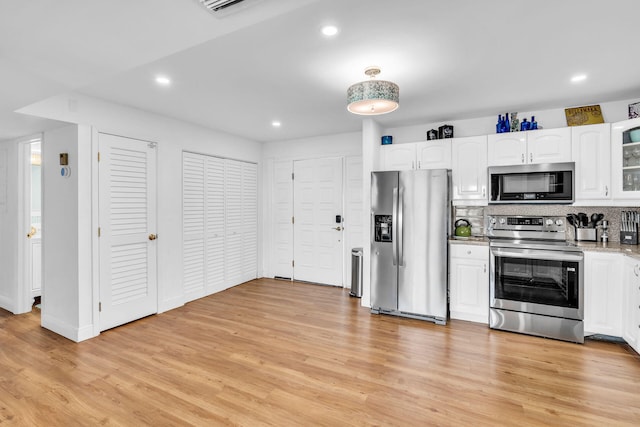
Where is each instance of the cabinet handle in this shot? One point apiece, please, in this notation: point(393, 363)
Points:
point(635, 270)
point(485, 268)
point(484, 191)
point(606, 190)
point(413, 164)
point(419, 166)
point(522, 157)
point(468, 252)
point(530, 157)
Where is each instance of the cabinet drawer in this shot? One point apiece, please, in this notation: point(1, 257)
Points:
point(478, 252)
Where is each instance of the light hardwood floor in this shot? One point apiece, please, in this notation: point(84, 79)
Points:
point(291, 354)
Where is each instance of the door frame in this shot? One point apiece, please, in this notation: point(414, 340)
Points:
point(24, 300)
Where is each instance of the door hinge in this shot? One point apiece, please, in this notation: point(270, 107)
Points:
point(100, 307)
point(98, 231)
point(98, 156)
point(293, 220)
point(293, 263)
point(292, 176)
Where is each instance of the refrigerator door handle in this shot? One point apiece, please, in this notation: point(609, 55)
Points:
point(394, 227)
point(400, 228)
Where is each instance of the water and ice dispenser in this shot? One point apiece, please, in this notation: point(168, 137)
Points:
point(383, 228)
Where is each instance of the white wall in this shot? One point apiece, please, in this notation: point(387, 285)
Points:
point(67, 287)
point(173, 137)
point(9, 272)
point(614, 111)
point(338, 145)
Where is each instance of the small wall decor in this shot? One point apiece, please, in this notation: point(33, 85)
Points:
point(634, 110)
point(587, 115)
point(387, 140)
point(432, 134)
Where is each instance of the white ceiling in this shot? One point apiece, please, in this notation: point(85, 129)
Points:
point(268, 61)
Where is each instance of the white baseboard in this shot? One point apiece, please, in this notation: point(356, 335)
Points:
point(66, 330)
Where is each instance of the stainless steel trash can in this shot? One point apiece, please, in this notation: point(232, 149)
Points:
point(356, 272)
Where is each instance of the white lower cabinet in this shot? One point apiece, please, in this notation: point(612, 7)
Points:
point(631, 303)
point(469, 282)
point(603, 293)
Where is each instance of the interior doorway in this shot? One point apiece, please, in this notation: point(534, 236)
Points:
point(30, 222)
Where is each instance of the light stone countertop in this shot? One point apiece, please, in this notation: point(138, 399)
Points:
point(629, 250)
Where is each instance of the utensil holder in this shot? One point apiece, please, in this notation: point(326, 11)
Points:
point(629, 237)
point(586, 234)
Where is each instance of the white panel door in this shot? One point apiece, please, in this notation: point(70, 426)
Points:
point(282, 214)
point(127, 213)
point(318, 245)
point(193, 222)
point(249, 221)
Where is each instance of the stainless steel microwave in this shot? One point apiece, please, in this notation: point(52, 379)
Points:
point(538, 183)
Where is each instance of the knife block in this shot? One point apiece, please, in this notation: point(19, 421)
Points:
point(586, 234)
point(629, 237)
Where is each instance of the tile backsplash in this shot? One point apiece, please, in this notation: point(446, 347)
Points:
point(474, 213)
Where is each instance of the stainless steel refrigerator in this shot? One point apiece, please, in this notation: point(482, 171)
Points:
point(410, 211)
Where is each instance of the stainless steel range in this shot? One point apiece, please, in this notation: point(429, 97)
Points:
point(536, 278)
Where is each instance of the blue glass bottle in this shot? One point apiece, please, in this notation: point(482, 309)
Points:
point(524, 125)
point(534, 124)
point(507, 123)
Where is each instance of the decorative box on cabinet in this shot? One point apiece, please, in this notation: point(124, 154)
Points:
point(535, 146)
point(591, 152)
point(469, 170)
point(469, 282)
point(603, 293)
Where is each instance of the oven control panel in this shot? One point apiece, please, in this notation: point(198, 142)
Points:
point(543, 224)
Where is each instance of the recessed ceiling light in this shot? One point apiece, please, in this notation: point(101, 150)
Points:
point(578, 78)
point(329, 30)
point(276, 124)
point(163, 80)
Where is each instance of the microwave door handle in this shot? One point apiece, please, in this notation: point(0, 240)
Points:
point(394, 226)
point(400, 228)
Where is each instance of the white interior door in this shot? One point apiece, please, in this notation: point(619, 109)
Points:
point(35, 216)
point(318, 239)
point(127, 213)
point(282, 215)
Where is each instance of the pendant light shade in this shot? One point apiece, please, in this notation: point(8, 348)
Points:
point(372, 97)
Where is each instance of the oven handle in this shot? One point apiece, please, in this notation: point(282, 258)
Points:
point(537, 254)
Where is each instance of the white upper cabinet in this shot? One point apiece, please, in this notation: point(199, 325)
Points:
point(396, 157)
point(417, 155)
point(507, 149)
point(535, 146)
point(435, 154)
point(591, 152)
point(469, 170)
point(625, 160)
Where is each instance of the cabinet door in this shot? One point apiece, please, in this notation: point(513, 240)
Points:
point(603, 293)
point(398, 157)
point(469, 169)
point(469, 283)
point(625, 161)
point(549, 145)
point(434, 154)
point(591, 151)
point(631, 308)
point(507, 149)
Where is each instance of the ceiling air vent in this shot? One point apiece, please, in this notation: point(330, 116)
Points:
point(223, 7)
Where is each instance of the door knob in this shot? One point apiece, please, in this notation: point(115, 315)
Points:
point(32, 232)
point(152, 237)
point(338, 228)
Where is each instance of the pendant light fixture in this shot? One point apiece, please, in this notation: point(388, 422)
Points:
point(372, 97)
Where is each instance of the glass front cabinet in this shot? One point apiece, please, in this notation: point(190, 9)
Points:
point(625, 140)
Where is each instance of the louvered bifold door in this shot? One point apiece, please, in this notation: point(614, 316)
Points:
point(193, 225)
point(127, 217)
point(234, 249)
point(250, 221)
point(215, 268)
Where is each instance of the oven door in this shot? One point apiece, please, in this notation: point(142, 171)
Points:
point(539, 281)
